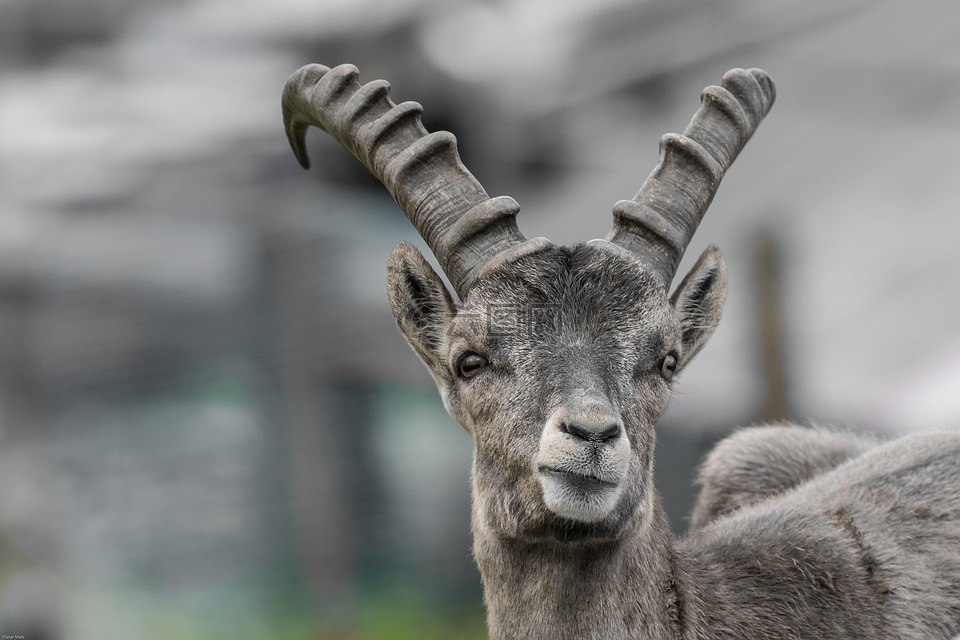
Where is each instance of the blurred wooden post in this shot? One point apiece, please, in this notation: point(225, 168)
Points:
point(773, 343)
point(293, 264)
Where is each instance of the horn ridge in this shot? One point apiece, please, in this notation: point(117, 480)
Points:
point(366, 98)
point(394, 130)
point(658, 224)
point(414, 165)
point(475, 221)
point(723, 112)
point(635, 224)
point(463, 227)
point(439, 145)
point(753, 88)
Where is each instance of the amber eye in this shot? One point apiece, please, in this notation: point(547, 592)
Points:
point(470, 364)
point(668, 366)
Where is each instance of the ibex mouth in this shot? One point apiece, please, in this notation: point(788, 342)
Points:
point(578, 496)
point(578, 481)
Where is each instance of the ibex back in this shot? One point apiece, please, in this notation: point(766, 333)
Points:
point(559, 361)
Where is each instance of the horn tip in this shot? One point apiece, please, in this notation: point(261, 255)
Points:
point(311, 73)
point(766, 84)
point(297, 137)
point(303, 159)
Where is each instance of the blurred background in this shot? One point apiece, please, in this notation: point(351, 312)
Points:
point(210, 428)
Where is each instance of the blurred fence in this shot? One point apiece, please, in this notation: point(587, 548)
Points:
point(209, 427)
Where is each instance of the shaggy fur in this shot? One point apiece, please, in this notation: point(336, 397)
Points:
point(828, 535)
point(559, 364)
point(759, 462)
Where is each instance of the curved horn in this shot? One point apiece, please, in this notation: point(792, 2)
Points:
point(466, 230)
point(660, 221)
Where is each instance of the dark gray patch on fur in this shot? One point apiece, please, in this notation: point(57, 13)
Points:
point(868, 560)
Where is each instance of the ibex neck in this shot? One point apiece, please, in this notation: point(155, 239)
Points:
point(629, 589)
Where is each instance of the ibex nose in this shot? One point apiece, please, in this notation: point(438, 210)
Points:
point(587, 414)
point(601, 431)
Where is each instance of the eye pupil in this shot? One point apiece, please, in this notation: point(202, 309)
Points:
point(471, 364)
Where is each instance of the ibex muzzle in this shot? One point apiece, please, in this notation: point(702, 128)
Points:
point(583, 457)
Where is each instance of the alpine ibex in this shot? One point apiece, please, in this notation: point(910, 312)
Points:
point(559, 361)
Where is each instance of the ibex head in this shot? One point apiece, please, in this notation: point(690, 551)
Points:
point(559, 360)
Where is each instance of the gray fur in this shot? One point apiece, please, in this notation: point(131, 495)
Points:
point(866, 548)
point(759, 462)
point(559, 363)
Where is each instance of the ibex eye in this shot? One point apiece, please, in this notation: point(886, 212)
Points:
point(668, 365)
point(470, 364)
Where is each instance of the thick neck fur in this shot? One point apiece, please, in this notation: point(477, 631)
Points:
point(558, 591)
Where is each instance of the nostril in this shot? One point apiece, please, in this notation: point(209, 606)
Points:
point(611, 432)
point(603, 433)
point(576, 431)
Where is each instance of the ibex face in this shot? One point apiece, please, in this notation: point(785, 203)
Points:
point(559, 366)
point(559, 360)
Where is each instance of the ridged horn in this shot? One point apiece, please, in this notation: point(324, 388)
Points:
point(658, 224)
point(468, 232)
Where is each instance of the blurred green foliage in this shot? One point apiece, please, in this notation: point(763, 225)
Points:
point(397, 615)
point(416, 622)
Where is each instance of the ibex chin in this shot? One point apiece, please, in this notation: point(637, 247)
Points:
point(559, 361)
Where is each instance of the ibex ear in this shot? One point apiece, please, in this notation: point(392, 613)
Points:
point(699, 302)
point(422, 307)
